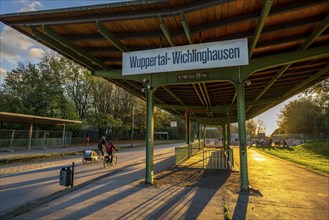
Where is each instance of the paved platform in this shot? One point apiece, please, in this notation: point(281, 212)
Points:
point(281, 190)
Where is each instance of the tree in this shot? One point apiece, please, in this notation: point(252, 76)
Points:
point(308, 115)
point(251, 128)
point(300, 117)
point(319, 94)
point(78, 83)
point(36, 89)
point(260, 127)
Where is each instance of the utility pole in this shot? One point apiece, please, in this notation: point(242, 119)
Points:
point(132, 127)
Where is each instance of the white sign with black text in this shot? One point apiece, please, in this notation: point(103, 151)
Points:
point(196, 56)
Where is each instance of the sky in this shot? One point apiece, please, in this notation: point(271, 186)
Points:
point(16, 47)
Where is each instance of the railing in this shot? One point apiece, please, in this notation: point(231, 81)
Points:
point(215, 159)
point(206, 158)
point(231, 157)
point(182, 152)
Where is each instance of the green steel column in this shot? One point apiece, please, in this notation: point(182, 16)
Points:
point(187, 126)
point(204, 135)
point(189, 138)
point(30, 136)
point(149, 179)
point(199, 134)
point(228, 131)
point(242, 136)
point(224, 136)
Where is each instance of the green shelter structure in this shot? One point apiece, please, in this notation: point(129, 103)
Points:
point(34, 119)
point(213, 62)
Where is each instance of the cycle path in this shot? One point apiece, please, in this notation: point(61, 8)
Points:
point(281, 190)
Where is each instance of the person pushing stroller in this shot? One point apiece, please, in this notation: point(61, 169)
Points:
point(102, 145)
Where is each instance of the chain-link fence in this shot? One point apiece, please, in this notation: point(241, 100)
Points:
point(19, 139)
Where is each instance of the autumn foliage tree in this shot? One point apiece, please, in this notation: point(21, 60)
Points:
point(308, 115)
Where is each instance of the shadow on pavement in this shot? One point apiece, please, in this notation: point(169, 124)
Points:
point(89, 200)
point(240, 211)
point(193, 187)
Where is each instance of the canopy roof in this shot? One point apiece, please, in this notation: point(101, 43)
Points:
point(22, 118)
point(288, 48)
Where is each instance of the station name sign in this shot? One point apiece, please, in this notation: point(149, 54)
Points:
point(189, 57)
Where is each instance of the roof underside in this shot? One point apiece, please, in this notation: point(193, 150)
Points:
point(22, 118)
point(96, 37)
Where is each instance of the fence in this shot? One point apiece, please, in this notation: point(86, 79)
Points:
point(19, 139)
point(182, 152)
point(206, 158)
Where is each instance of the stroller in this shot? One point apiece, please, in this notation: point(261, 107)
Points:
point(90, 156)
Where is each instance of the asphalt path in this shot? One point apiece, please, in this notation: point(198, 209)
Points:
point(23, 187)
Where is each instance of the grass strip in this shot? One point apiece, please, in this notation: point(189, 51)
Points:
point(312, 155)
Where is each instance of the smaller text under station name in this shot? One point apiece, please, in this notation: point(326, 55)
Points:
point(197, 56)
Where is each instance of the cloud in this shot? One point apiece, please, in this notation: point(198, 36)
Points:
point(15, 45)
point(30, 5)
point(3, 72)
point(36, 53)
point(12, 43)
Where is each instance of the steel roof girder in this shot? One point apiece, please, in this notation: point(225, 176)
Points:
point(198, 94)
point(110, 37)
point(63, 41)
point(283, 59)
point(305, 82)
point(213, 121)
point(186, 28)
point(260, 24)
point(117, 74)
point(166, 32)
point(214, 74)
point(46, 39)
point(218, 108)
point(173, 95)
point(317, 32)
point(320, 28)
point(206, 92)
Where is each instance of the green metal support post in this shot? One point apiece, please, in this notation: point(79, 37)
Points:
point(188, 140)
point(149, 179)
point(242, 136)
point(228, 134)
point(204, 135)
point(224, 136)
point(199, 135)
